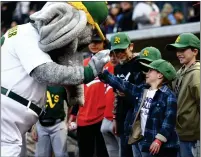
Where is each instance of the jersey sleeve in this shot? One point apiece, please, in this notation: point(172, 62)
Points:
point(27, 49)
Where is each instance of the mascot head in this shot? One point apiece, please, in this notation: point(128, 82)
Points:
point(60, 23)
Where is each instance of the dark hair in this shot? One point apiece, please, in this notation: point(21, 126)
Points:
point(189, 47)
point(107, 44)
point(167, 83)
point(192, 48)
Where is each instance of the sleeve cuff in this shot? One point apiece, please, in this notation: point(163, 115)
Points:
point(73, 116)
point(88, 74)
point(161, 137)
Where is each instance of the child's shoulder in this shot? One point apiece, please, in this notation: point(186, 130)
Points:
point(167, 91)
point(143, 86)
point(168, 96)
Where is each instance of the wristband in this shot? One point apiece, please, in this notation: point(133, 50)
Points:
point(158, 142)
point(73, 117)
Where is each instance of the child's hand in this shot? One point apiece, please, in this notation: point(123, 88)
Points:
point(121, 94)
point(155, 147)
point(103, 76)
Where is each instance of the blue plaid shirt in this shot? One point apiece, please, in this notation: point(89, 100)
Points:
point(162, 113)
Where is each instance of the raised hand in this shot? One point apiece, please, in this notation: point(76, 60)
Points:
point(98, 61)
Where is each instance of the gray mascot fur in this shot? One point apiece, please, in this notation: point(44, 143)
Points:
point(62, 30)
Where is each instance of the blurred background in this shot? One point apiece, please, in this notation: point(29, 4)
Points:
point(123, 16)
point(148, 23)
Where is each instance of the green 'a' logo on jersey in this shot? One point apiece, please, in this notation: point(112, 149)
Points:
point(12, 32)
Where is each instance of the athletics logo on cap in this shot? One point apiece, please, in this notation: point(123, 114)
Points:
point(178, 39)
point(117, 40)
point(145, 53)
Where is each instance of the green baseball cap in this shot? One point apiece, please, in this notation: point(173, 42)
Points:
point(149, 54)
point(164, 67)
point(183, 41)
point(120, 41)
point(98, 10)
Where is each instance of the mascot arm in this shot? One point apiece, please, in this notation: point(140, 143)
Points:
point(55, 74)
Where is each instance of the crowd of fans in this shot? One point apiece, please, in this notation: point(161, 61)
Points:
point(15, 13)
point(123, 16)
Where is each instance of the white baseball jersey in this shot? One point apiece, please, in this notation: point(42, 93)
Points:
point(20, 54)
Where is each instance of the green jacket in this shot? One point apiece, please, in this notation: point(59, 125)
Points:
point(188, 94)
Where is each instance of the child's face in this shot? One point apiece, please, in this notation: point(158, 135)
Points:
point(115, 11)
point(95, 47)
point(123, 55)
point(152, 76)
point(113, 58)
point(186, 55)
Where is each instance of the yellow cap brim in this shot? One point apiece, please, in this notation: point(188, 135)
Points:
point(100, 33)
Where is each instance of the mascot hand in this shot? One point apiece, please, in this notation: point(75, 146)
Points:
point(98, 61)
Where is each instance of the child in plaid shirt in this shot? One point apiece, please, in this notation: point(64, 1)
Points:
point(157, 112)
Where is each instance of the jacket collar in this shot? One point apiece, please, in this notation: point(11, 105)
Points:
point(164, 88)
point(195, 66)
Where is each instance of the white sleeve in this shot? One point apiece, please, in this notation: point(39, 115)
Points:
point(30, 55)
